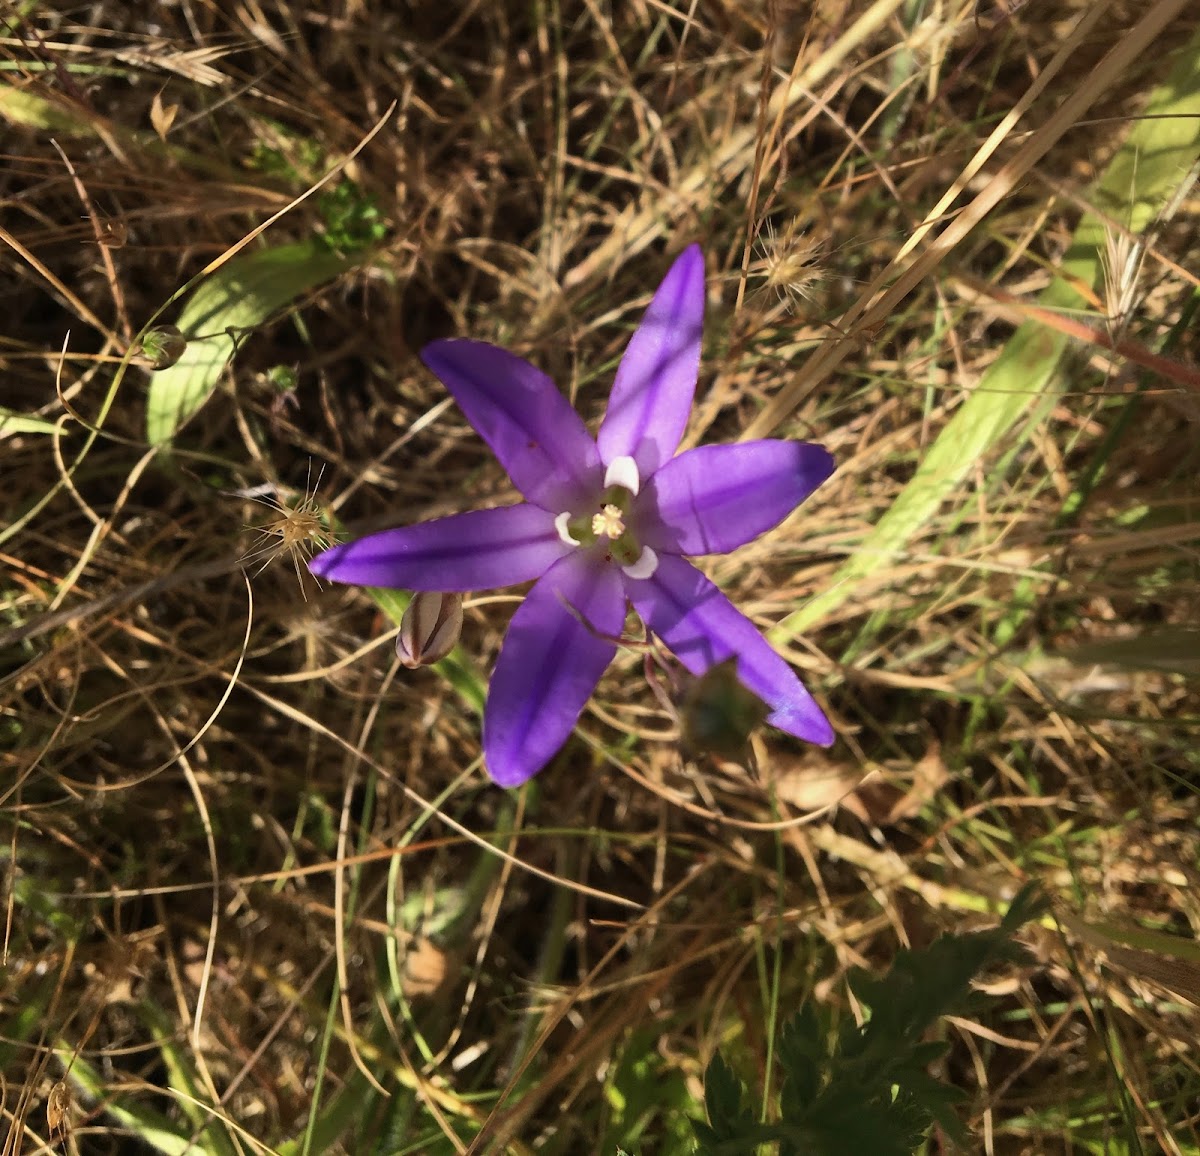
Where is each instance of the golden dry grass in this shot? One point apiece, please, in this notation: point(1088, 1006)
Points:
point(258, 892)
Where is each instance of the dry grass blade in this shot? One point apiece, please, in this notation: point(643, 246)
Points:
point(880, 298)
point(259, 895)
point(1025, 371)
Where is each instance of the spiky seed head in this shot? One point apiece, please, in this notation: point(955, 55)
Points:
point(789, 263)
point(299, 530)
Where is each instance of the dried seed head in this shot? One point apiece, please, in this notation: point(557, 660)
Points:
point(162, 116)
point(58, 1111)
point(789, 262)
point(429, 629)
point(113, 233)
point(162, 346)
point(1121, 259)
point(299, 530)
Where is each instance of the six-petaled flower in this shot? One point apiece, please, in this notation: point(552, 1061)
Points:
point(605, 523)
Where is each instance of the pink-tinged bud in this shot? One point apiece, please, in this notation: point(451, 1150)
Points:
point(429, 629)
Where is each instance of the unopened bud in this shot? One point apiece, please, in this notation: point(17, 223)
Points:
point(163, 346)
point(429, 629)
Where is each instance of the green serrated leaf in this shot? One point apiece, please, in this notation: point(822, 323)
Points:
point(924, 985)
point(240, 295)
point(724, 1094)
point(880, 1124)
point(873, 1092)
point(801, 1050)
point(937, 1100)
point(1030, 903)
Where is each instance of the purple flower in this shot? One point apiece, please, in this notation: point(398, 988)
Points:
point(605, 522)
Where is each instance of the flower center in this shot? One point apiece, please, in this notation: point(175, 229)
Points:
point(606, 525)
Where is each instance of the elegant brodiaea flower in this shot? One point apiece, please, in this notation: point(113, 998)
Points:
point(605, 522)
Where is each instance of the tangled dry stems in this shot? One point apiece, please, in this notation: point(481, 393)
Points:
point(280, 866)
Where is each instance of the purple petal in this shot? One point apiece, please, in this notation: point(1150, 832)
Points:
point(549, 665)
point(702, 627)
point(473, 551)
point(652, 394)
point(714, 499)
point(531, 428)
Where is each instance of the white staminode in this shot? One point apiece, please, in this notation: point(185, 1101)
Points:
point(644, 567)
point(623, 471)
point(560, 524)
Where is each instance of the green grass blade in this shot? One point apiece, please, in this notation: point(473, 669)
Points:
point(22, 1022)
point(1104, 934)
point(152, 1128)
point(1156, 155)
point(350, 1108)
point(182, 1077)
point(26, 109)
point(12, 422)
point(240, 295)
point(1174, 651)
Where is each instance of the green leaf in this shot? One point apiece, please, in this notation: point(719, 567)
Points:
point(648, 1098)
point(1028, 904)
point(922, 986)
point(1154, 158)
point(12, 422)
point(185, 1081)
point(938, 1100)
point(802, 1047)
point(150, 1127)
point(868, 1088)
point(728, 1117)
point(239, 296)
point(1175, 651)
point(880, 1124)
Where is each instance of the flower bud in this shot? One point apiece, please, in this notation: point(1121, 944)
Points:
point(163, 346)
point(429, 629)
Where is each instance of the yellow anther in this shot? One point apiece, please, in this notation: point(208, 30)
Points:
point(608, 523)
